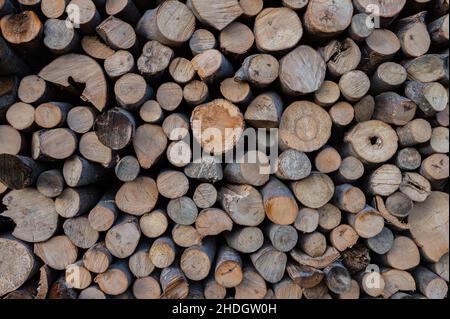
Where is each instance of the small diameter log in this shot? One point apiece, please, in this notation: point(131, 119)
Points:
point(33, 214)
point(359, 28)
point(51, 114)
point(260, 70)
point(277, 30)
point(174, 283)
point(104, 213)
point(127, 169)
point(176, 126)
point(428, 283)
point(343, 237)
point(338, 18)
point(201, 41)
point(429, 97)
point(17, 172)
point(87, 19)
point(117, 34)
point(181, 70)
point(169, 96)
point(172, 184)
point(341, 56)
point(154, 224)
point(249, 169)
point(80, 172)
point(329, 217)
point(53, 144)
point(3, 188)
point(371, 283)
point(155, 58)
point(367, 223)
point(381, 243)
point(195, 92)
point(182, 210)
point(270, 263)
point(157, 24)
point(313, 244)
point(251, 8)
point(186, 236)
point(364, 109)
point(304, 61)
point(327, 160)
point(372, 141)
point(206, 169)
point(388, 77)
point(151, 112)
point(146, 288)
point(293, 165)
point(213, 290)
point(140, 264)
point(212, 66)
point(384, 181)
point(351, 169)
point(314, 191)
point(337, 278)
point(137, 197)
point(252, 286)
point(264, 111)
point(307, 220)
point(356, 258)
point(397, 280)
point(287, 289)
point(11, 141)
point(123, 238)
point(379, 47)
point(131, 91)
point(33, 90)
point(399, 204)
point(317, 292)
point(58, 38)
point(430, 236)
point(228, 270)
point(205, 195)
point(408, 159)
point(179, 153)
point(282, 237)
point(53, 9)
point(403, 255)
point(440, 268)
point(58, 252)
point(354, 85)
point(20, 116)
point(413, 35)
point(80, 232)
point(236, 40)
point(149, 144)
point(213, 221)
point(116, 280)
point(235, 91)
point(46, 278)
point(162, 252)
point(349, 198)
point(95, 48)
point(18, 264)
point(417, 131)
point(196, 261)
point(119, 120)
point(245, 239)
point(76, 201)
point(80, 119)
point(92, 149)
point(327, 94)
point(442, 118)
point(77, 276)
point(123, 9)
point(97, 259)
point(415, 186)
point(438, 30)
point(341, 114)
point(279, 202)
point(304, 276)
point(438, 142)
point(435, 167)
point(118, 64)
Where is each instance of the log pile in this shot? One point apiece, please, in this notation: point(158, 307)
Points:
point(102, 196)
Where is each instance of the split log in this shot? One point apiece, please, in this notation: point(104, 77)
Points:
point(140, 263)
point(53, 144)
point(103, 215)
point(279, 202)
point(155, 58)
point(307, 220)
point(277, 30)
point(93, 150)
point(270, 263)
point(415, 186)
point(149, 143)
point(384, 181)
point(196, 261)
point(252, 286)
point(330, 255)
point(80, 232)
point(216, 14)
point(116, 280)
point(186, 236)
point(202, 40)
point(182, 210)
point(314, 191)
point(77, 276)
point(399, 204)
point(76, 201)
point(341, 56)
point(162, 252)
point(403, 255)
point(305, 276)
point(58, 252)
point(173, 283)
point(154, 224)
point(131, 91)
point(123, 238)
point(245, 239)
point(97, 258)
point(213, 221)
point(211, 66)
point(195, 92)
point(367, 223)
point(236, 40)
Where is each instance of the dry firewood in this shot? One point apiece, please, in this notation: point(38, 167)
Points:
point(123, 9)
point(413, 35)
point(174, 283)
point(287, 289)
point(356, 258)
point(429, 97)
point(46, 278)
point(76, 201)
point(137, 197)
point(131, 91)
point(162, 252)
point(442, 118)
point(349, 198)
point(427, 68)
point(93, 150)
point(277, 30)
point(146, 288)
point(123, 238)
point(15, 65)
point(317, 292)
point(329, 217)
point(169, 96)
point(350, 170)
point(249, 169)
point(118, 64)
point(78, 171)
point(50, 183)
point(440, 268)
point(338, 17)
point(330, 255)
point(205, 195)
point(179, 153)
point(415, 186)
point(414, 132)
point(196, 261)
point(379, 47)
point(327, 94)
point(151, 112)
point(428, 283)
point(327, 160)
point(195, 92)
point(58, 252)
point(80, 119)
point(117, 34)
point(18, 264)
point(384, 181)
point(364, 109)
point(81, 69)
point(245, 239)
point(181, 70)
point(91, 292)
point(260, 70)
point(77, 276)
point(176, 126)
point(18, 171)
point(264, 111)
point(282, 237)
point(182, 210)
point(381, 243)
point(119, 120)
point(213, 221)
point(398, 204)
point(9, 85)
point(408, 159)
point(388, 77)
point(307, 220)
point(213, 290)
point(80, 232)
point(87, 19)
point(438, 30)
point(140, 264)
point(354, 85)
point(53, 144)
point(228, 270)
point(51, 114)
point(60, 290)
point(211, 65)
point(337, 278)
point(304, 276)
point(95, 48)
point(236, 40)
point(341, 114)
point(435, 167)
point(397, 280)
point(34, 90)
point(236, 91)
point(11, 140)
point(270, 263)
point(341, 56)
point(127, 168)
point(431, 236)
point(155, 58)
point(216, 14)
point(252, 286)
point(302, 71)
point(115, 280)
point(149, 144)
point(103, 215)
point(279, 202)
point(53, 9)
point(437, 143)
point(58, 38)
point(386, 214)
point(385, 11)
point(313, 244)
point(403, 255)
point(293, 165)
point(359, 29)
point(186, 236)
point(154, 224)
point(201, 40)
point(314, 191)
point(97, 258)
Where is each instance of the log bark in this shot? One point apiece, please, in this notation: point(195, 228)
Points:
point(429, 97)
point(279, 202)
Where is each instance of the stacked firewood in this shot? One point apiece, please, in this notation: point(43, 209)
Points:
point(101, 195)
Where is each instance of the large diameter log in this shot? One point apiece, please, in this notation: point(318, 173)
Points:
point(279, 202)
point(270, 263)
point(431, 236)
point(18, 264)
point(304, 61)
point(82, 69)
point(17, 172)
point(214, 13)
point(403, 255)
point(33, 214)
point(304, 126)
point(338, 17)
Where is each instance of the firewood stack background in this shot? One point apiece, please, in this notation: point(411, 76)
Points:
point(100, 200)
